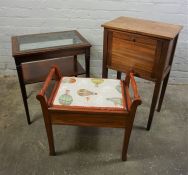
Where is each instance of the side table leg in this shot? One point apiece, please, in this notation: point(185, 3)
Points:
point(104, 72)
point(153, 104)
point(105, 55)
point(23, 92)
point(75, 66)
point(87, 62)
point(118, 75)
point(165, 82)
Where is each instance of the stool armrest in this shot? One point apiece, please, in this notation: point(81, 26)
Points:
point(134, 86)
point(136, 98)
point(54, 72)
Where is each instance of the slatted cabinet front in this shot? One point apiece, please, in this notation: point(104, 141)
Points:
point(126, 50)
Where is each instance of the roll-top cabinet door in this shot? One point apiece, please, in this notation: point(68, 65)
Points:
point(128, 51)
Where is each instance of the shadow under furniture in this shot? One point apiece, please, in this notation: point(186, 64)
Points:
point(34, 55)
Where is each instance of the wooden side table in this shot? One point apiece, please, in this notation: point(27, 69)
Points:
point(35, 54)
point(145, 46)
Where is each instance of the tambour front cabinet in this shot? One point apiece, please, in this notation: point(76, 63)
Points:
point(147, 47)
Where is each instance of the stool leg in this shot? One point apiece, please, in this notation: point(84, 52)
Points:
point(126, 143)
point(50, 138)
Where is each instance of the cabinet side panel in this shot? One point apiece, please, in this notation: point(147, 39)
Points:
point(170, 53)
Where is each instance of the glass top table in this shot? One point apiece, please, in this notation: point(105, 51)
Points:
point(34, 55)
point(29, 43)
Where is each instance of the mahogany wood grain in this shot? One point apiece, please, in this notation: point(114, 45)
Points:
point(133, 51)
point(88, 119)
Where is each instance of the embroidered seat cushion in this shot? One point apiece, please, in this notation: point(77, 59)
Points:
point(90, 92)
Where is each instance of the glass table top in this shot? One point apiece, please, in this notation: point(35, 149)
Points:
point(47, 40)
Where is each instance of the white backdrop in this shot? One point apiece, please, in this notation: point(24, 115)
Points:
point(36, 16)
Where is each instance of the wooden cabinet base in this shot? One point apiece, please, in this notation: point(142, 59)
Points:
point(147, 47)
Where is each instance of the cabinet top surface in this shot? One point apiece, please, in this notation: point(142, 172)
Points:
point(145, 27)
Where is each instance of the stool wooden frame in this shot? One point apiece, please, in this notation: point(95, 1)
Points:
point(88, 116)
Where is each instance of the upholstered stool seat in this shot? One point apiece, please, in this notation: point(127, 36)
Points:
point(94, 93)
point(89, 102)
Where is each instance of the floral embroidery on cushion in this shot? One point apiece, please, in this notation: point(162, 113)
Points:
point(115, 100)
point(118, 88)
point(97, 81)
point(66, 99)
point(69, 80)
